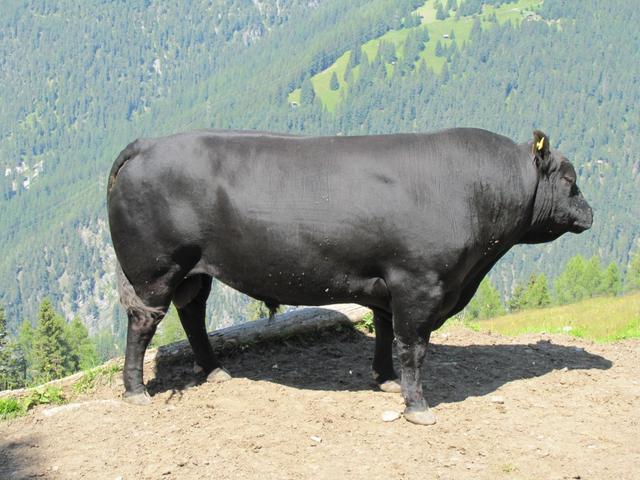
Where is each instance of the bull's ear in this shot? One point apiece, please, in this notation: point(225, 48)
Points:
point(540, 151)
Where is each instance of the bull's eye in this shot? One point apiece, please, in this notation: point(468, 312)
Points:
point(569, 180)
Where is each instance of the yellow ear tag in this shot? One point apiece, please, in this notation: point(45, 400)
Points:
point(540, 144)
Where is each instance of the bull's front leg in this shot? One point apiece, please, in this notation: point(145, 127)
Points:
point(414, 299)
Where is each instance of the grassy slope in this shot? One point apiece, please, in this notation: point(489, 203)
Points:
point(461, 28)
point(602, 319)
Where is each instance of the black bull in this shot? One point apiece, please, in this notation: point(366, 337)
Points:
point(406, 224)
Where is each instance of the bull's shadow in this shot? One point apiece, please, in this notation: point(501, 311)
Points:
point(21, 459)
point(340, 360)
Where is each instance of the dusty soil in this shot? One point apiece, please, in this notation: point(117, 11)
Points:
point(306, 409)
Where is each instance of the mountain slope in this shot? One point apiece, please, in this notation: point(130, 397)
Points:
point(155, 69)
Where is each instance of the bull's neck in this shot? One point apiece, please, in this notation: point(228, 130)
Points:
point(543, 204)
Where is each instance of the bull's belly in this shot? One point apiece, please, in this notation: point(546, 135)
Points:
point(296, 281)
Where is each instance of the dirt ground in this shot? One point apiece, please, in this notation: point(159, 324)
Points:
point(530, 407)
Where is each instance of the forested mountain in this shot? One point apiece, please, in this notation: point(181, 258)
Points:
point(82, 79)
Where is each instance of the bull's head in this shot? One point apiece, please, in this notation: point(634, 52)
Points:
point(559, 206)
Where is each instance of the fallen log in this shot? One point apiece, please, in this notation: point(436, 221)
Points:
point(295, 322)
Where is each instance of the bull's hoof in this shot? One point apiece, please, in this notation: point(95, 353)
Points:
point(218, 375)
point(137, 398)
point(420, 417)
point(390, 386)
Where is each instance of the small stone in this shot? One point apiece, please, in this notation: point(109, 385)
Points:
point(218, 375)
point(567, 328)
point(316, 439)
point(497, 399)
point(390, 416)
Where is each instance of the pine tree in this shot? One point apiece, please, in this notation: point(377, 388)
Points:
point(452, 5)
point(439, 50)
point(5, 359)
point(106, 345)
point(52, 355)
point(412, 21)
point(387, 52)
point(570, 283)
point(476, 30)
point(441, 14)
point(348, 73)
point(611, 281)
point(4, 335)
point(333, 83)
point(307, 93)
point(423, 35)
point(632, 278)
point(356, 55)
point(26, 335)
point(444, 74)
point(515, 302)
point(12, 368)
point(83, 350)
point(486, 303)
point(537, 293)
point(592, 277)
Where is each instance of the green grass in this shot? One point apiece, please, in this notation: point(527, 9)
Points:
point(11, 407)
point(320, 82)
point(96, 376)
point(366, 324)
point(512, 12)
point(602, 319)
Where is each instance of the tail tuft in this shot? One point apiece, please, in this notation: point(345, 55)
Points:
point(130, 300)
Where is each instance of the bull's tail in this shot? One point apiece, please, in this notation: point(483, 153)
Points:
point(130, 300)
point(128, 153)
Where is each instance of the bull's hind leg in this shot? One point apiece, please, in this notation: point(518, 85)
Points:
point(190, 300)
point(414, 300)
point(143, 322)
point(146, 306)
point(383, 372)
